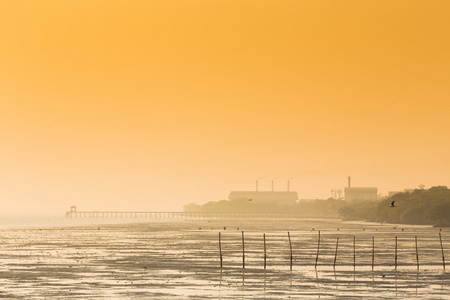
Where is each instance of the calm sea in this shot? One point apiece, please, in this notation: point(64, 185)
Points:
point(56, 220)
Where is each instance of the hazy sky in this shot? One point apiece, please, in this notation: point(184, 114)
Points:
point(150, 105)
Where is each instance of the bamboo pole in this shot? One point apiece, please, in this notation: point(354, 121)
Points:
point(318, 248)
point(265, 256)
point(243, 251)
point(395, 253)
point(442, 251)
point(335, 253)
point(373, 251)
point(290, 247)
point(417, 254)
point(220, 251)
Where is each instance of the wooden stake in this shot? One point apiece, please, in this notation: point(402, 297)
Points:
point(335, 254)
point(265, 257)
point(290, 246)
point(417, 254)
point(373, 251)
point(442, 250)
point(318, 248)
point(220, 251)
point(243, 251)
point(354, 252)
point(395, 253)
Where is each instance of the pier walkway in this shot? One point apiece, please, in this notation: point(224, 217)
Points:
point(166, 214)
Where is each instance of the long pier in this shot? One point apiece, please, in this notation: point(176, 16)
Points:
point(179, 215)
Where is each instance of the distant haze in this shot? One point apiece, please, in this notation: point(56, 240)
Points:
point(150, 105)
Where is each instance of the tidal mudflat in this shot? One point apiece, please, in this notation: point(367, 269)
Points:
point(180, 258)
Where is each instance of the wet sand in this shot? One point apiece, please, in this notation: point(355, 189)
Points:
point(180, 258)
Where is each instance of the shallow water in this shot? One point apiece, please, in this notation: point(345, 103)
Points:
point(180, 258)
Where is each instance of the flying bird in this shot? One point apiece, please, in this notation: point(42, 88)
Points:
point(392, 204)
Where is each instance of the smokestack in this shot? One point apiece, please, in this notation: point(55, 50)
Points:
point(349, 181)
point(256, 185)
point(288, 186)
point(272, 185)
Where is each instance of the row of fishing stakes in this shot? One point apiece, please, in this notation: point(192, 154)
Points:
point(335, 253)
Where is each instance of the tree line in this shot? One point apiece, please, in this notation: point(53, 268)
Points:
point(427, 207)
point(422, 207)
point(311, 208)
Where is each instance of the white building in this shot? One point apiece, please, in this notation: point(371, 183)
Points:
point(360, 193)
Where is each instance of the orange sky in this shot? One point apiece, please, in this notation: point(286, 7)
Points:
point(151, 105)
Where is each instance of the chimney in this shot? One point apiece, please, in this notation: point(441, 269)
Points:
point(349, 181)
point(272, 185)
point(288, 186)
point(256, 185)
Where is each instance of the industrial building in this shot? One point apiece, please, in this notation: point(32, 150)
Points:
point(280, 197)
point(360, 193)
point(265, 196)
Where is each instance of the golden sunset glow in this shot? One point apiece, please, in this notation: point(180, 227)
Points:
point(151, 105)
